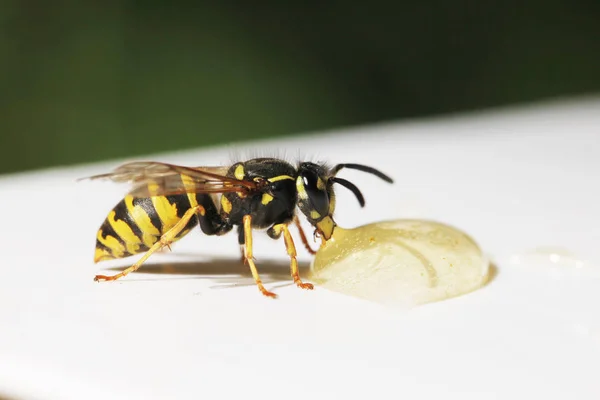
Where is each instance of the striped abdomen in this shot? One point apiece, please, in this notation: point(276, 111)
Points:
point(135, 224)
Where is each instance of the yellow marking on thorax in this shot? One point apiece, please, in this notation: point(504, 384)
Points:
point(315, 214)
point(166, 211)
point(239, 172)
point(266, 199)
point(132, 242)
point(112, 243)
point(149, 231)
point(280, 178)
point(226, 204)
point(190, 187)
point(300, 188)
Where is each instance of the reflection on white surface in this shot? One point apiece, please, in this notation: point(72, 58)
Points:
point(513, 180)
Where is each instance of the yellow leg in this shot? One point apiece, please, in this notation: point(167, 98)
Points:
point(164, 241)
point(250, 259)
point(291, 250)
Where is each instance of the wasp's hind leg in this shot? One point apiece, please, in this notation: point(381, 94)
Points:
point(165, 240)
point(275, 232)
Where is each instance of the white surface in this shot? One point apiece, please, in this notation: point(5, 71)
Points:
point(515, 180)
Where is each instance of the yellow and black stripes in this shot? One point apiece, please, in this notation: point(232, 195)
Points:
point(135, 224)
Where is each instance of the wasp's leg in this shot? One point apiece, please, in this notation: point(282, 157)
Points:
point(291, 250)
point(242, 254)
point(303, 236)
point(165, 240)
point(247, 237)
point(275, 233)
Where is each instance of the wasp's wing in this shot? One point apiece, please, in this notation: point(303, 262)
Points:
point(151, 178)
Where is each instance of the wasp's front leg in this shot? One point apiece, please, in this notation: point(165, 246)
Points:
point(275, 232)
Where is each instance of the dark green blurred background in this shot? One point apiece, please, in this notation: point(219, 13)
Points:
point(88, 80)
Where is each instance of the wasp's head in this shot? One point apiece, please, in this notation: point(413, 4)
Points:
point(316, 198)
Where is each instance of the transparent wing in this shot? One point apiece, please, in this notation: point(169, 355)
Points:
point(149, 178)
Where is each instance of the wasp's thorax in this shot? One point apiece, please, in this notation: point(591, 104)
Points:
point(316, 199)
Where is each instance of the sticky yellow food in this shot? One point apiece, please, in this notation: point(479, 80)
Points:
point(400, 263)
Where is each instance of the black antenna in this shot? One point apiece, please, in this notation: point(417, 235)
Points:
point(352, 187)
point(363, 168)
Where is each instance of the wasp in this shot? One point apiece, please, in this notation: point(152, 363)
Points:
point(167, 201)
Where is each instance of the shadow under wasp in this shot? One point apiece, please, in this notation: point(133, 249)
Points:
point(166, 201)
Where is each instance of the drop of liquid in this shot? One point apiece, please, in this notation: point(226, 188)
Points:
point(401, 263)
point(555, 262)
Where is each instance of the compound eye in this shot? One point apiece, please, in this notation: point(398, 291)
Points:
point(318, 198)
